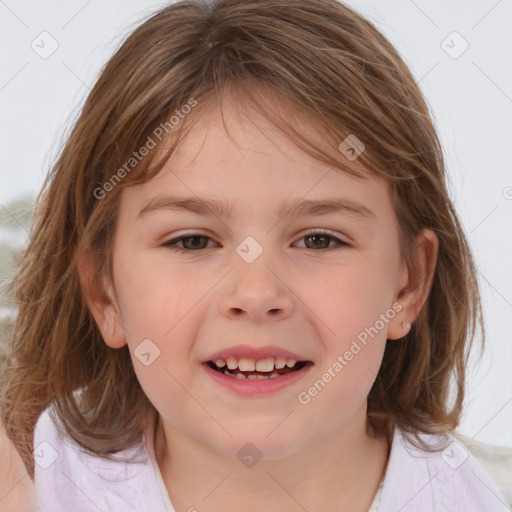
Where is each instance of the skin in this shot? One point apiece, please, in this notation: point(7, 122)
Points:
point(17, 492)
point(311, 301)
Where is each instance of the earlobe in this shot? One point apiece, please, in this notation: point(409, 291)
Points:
point(100, 300)
point(414, 285)
point(400, 325)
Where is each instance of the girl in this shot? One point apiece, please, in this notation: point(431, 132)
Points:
point(254, 191)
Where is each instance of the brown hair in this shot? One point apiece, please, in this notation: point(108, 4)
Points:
point(327, 64)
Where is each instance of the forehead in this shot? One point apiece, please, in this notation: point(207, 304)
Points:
point(238, 157)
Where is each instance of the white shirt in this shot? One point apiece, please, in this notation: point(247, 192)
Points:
point(68, 479)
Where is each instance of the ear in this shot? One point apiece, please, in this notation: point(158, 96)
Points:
point(101, 302)
point(413, 288)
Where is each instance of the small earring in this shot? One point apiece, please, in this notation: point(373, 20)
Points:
point(406, 325)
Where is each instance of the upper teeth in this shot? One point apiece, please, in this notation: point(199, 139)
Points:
point(261, 365)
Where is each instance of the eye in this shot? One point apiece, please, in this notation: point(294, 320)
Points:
point(321, 240)
point(191, 242)
point(196, 241)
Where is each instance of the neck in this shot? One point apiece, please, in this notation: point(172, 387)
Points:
point(341, 471)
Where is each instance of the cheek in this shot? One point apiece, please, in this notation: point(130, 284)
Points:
point(346, 299)
point(154, 297)
point(351, 307)
point(159, 307)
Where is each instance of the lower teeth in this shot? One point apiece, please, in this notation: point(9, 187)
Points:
point(250, 377)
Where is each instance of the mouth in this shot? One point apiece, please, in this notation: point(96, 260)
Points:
point(251, 372)
point(256, 369)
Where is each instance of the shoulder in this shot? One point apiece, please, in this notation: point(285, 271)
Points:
point(16, 489)
point(496, 460)
point(67, 477)
point(446, 477)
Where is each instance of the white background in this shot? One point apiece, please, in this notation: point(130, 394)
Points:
point(470, 98)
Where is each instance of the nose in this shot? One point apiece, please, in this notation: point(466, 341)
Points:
point(256, 291)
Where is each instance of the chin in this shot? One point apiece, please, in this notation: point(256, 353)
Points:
point(262, 443)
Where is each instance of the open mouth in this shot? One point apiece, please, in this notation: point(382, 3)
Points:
point(247, 369)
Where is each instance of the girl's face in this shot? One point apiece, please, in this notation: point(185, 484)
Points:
point(255, 255)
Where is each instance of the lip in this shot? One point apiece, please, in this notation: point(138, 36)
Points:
point(263, 387)
point(252, 352)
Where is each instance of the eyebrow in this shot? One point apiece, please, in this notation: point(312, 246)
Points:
point(203, 206)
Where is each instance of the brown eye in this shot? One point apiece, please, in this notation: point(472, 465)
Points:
point(197, 242)
point(190, 243)
point(320, 240)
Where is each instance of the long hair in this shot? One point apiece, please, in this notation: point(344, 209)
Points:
point(327, 64)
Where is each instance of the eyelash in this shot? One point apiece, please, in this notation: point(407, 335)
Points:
point(172, 244)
